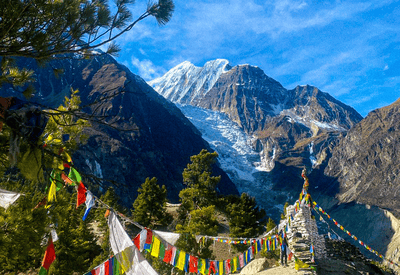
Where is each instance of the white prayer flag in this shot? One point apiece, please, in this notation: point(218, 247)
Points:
point(171, 238)
point(7, 198)
point(127, 254)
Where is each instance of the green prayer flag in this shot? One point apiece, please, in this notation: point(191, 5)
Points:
point(42, 271)
point(56, 177)
point(116, 267)
point(162, 251)
point(74, 175)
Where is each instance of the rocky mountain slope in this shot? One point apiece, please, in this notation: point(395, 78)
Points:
point(141, 134)
point(366, 162)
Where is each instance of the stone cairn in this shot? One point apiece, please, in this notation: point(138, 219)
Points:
point(302, 234)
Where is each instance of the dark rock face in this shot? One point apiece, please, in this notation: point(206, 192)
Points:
point(366, 162)
point(247, 95)
point(145, 135)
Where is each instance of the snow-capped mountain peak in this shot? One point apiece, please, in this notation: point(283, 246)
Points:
point(186, 83)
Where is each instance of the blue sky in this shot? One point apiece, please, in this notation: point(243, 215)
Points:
point(350, 49)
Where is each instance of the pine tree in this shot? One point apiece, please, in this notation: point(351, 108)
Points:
point(22, 231)
point(270, 225)
point(201, 185)
point(201, 222)
point(149, 208)
point(244, 217)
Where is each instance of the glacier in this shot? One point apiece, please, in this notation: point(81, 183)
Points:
point(236, 156)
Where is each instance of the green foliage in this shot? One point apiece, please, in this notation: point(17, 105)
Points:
point(200, 222)
point(270, 224)
point(22, 230)
point(47, 29)
point(76, 247)
point(200, 183)
point(150, 205)
point(244, 217)
point(25, 230)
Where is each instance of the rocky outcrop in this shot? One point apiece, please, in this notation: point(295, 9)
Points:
point(366, 162)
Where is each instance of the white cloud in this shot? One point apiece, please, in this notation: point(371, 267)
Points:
point(146, 69)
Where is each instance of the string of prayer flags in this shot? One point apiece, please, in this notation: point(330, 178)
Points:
point(317, 207)
point(109, 267)
point(7, 198)
point(48, 259)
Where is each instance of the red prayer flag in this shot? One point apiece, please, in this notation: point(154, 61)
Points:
point(49, 255)
point(212, 267)
point(193, 264)
point(168, 255)
point(81, 195)
point(149, 236)
point(136, 241)
point(107, 268)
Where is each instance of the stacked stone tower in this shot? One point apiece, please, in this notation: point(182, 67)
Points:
point(304, 240)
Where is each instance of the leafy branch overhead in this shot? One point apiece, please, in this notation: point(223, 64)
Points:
point(42, 29)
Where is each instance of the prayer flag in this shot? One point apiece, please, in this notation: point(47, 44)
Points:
point(136, 241)
point(175, 255)
point(181, 260)
point(89, 204)
point(235, 264)
point(203, 267)
point(124, 250)
point(74, 175)
point(162, 251)
point(52, 194)
point(168, 255)
point(149, 239)
point(227, 266)
point(81, 198)
point(258, 246)
point(49, 255)
point(67, 180)
point(212, 267)
point(7, 198)
point(241, 260)
point(155, 250)
point(116, 267)
point(221, 268)
point(193, 264)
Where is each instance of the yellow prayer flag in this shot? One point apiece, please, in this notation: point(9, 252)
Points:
point(203, 267)
point(235, 264)
point(52, 193)
point(125, 263)
point(69, 159)
point(155, 249)
point(181, 261)
point(221, 267)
